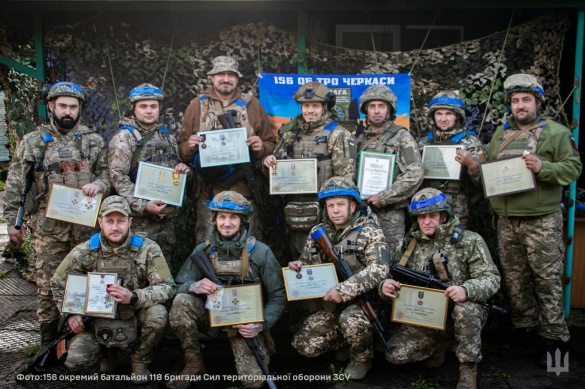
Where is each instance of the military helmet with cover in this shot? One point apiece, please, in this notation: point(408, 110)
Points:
point(378, 92)
point(339, 187)
point(523, 83)
point(447, 100)
point(66, 89)
point(429, 200)
point(146, 92)
point(315, 92)
point(232, 202)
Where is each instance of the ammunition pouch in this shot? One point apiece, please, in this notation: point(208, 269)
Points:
point(31, 204)
point(302, 216)
point(116, 332)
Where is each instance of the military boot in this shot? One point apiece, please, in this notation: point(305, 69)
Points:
point(358, 370)
point(467, 376)
point(49, 332)
point(438, 356)
point(109, 362)
point(550, 346)
point(193, 367)
point(140, 372)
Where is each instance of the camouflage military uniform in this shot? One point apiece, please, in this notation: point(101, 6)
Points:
point(408, 175)
point(53, 239)
point(201, 115)
point(328, 329)
point(147, 275)
point(470, 265)
point(188, 315)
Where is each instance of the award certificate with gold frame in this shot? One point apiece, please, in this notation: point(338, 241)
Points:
point(154, 182)
point(439, 162)
point(71, 205)
point(375, 172)
point(506, 176)
point(310, 282)
point(424, 307)
point(240, 304)
point(75, 292)
point(98, 302)
point(224, 147)
point(294, 176)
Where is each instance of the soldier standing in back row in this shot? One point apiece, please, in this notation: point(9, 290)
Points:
point(141, 138)
point(378, 103)
point(447, 113)
point(313, 134)
point(61, 152)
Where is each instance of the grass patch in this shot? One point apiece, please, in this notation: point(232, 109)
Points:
point(31, 349)
point(422, 383)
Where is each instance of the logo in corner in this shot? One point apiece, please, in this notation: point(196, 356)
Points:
point(558, 368)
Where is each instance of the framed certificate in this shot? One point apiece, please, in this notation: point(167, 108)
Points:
point(310, 282)
point(98, 302)
point(294, 176)
point(154, 182)
point(75, 292)
point(224, 147)
point(375, 172)
point(71, 205)
point(422, 307)
point(439, 162)
point(506, 176)
point(241, 304)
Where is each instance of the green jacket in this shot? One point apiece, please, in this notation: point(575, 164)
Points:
point(561, 165)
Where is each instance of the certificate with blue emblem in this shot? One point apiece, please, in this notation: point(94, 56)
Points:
point(424, 307)
point(224, 147)
point(310, 282)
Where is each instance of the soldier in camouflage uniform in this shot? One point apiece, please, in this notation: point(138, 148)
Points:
point(530, 224)
point(378, 103)
point(313, 134)
point(236, 255)
point(336, 324)
point(141, 138)
point(60, 152)
point(147, 286)
point(473, 278)
point(447, 113)
point(201, 115)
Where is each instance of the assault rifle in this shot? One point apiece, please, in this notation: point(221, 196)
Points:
point(429, 280)
point(26, 186)
point(322, 240)
point(41, 357)
point(202, 262)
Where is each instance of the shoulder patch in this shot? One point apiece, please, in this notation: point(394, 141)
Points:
point(94, 242)
point(136, 242)
point(330, 126)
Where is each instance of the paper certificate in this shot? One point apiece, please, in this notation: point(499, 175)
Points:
point(418, 306)
point(154, 182)
point(98, 302)
point(224, 147)
point(375, 172)
point(71, 205)
point(241, 304)
point(294, 176)
point(506, 176)
point(439, 162)
point(75, 291)
point(310, 282)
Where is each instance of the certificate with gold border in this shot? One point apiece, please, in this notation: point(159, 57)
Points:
point(375, 172)
point(310, 282)
point(241, 304)
point(71, 205)
point(506, 176)
point(294, 176)
point(439, 162)
point(98, 302)
point(424, 307)
point(154, 182)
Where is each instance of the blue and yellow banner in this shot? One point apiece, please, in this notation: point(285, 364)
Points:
point(276, 91)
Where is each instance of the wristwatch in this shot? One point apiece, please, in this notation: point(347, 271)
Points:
point(133, 299)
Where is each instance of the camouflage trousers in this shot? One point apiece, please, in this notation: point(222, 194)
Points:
point(50, 251)
point(324, 331)
point(205, 224)
point(188, 315)
point(85, 352)
point(413, 343)
point(391, 221)
point(162, 232)
point(532, 264)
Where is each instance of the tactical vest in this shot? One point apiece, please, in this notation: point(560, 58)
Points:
point(232, 269)
point(525, 141)
point(378, 143)
point(211, 108)
point(349, 245)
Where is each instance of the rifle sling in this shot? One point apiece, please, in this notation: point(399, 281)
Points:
point(407, 253)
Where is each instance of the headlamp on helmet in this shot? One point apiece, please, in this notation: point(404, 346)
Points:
point(315, 92)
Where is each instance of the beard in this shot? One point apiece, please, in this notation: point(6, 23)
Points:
point(66, 122)
point(526, 119)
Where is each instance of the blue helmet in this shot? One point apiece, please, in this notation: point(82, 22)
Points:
point(339, 187)
point(146, 92)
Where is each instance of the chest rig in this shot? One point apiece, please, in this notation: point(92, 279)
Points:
point(348, 246)
point(515, 142)
point(122, 331)
point(210, 108)
point(380, 141)
point(232, 270)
